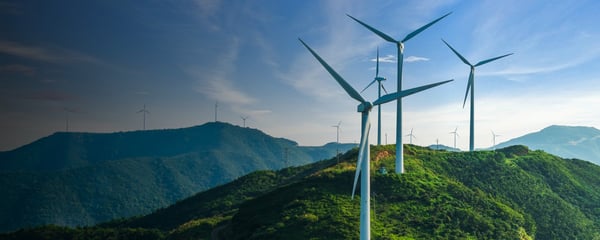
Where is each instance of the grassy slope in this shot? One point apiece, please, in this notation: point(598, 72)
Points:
point(511, 193)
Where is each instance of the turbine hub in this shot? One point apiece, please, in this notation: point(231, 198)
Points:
point(364, 107)
point(379, 79)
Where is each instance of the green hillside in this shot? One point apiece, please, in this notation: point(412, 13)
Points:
point(77, 179)
point(511, 193)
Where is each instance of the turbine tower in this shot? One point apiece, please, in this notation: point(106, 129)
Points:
point(364, 152)
point(455, 133)
point(144, 112)
point(400, 45)
point(411, 136)
point(379, 80)
point(471, 86)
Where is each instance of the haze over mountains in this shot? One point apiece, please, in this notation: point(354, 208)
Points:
point(82, 178)
point(565, 141)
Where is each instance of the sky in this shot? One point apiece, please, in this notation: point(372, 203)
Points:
point(92, 65)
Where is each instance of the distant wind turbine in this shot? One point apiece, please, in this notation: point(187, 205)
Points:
point(494, 135)
point(244, 119)
point(144, 112)
point(67, 111)
point(455, 133)
point(400, 45)
point(411, 136)
point(337, 140)
point(363, 166)
point(216, 106)
point(471, 86)
point(379, 80)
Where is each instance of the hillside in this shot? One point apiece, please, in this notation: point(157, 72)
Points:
point(564, 141)
point(511, 193)
point(75, 179)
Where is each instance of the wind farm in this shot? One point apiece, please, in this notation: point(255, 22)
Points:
point(245, 136)
point(363, 163)
point(400, 57)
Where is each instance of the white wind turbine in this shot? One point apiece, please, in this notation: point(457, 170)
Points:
point(471, 86)
point(411, 136)
point(494, 135)
point(400, 45)
point(455, 133)
point(379, 80)
point(362, 165)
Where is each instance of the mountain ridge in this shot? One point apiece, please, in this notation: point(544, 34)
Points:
point(87, 178)
point(509, 193)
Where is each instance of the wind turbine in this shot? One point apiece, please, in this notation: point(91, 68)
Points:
point(471, 86)
point(377, 79)
point(337, 141)
point(400, 45)
point(410, 135)
point(144, 112)
point(494, 135)
point(364, 152)
point(244, 119)
point(216, 106)
point(455, 133)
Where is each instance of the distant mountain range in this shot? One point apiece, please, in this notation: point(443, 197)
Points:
point(75, 179)
point(565, 141)
point(509, 193)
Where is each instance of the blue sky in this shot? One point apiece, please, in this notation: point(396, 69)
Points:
point(99, 62)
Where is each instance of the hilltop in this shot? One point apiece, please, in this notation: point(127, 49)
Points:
point(75, 179)
point(510, 193)
point(565, 141)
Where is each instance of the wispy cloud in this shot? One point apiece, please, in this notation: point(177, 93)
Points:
point(386, 59)
point(51, 55)
point(215, 81)
point(18, 68)
point(51, 96)
point(415, 59)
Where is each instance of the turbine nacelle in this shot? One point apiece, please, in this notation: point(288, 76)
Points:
point(379, 79)
point(364, 107)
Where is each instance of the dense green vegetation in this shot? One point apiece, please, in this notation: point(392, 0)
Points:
point(511, 193)
point(77, 179)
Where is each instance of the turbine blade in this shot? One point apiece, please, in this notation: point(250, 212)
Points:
point(361, 153)
point(469, 85)
point(351, 91)
point(414, 33)
point(393, 96)
point(382, 87)
point(491, 59)
point(379, 33)
point(457, 54)
point(368, 85)
point(377, 66)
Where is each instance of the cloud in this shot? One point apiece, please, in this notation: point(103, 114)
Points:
point(415, 59)
point(222, 90)
point(51, 96)
point(386, 59)
point(18, 68)
point(50, 55)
